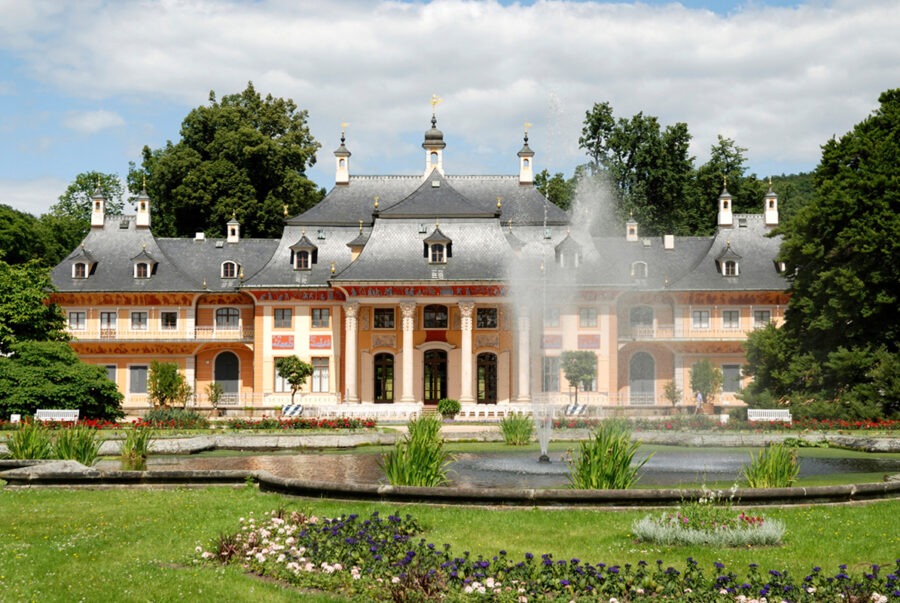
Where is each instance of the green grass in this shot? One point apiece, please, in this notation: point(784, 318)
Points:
point(135, 545)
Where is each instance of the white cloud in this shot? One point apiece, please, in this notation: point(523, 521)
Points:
point(778, 80)
point(34, 196)
point(91, 122)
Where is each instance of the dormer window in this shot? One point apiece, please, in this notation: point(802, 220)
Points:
point(142, 270)
point(229, 270)
point(728, 262)
point(304, 254)
point(639, 270)
point(79, 270)
point(568, 253)
point(144, 265)
point(730, 268)
point(438, 248)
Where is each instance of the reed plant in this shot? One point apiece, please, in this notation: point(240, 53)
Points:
point(775, 466)
point(517, 429)
point(605, 461)
point(136, 448)
point(31, 441)
point(78, 443)
point(419, 458)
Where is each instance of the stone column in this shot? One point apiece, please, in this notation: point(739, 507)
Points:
point(524, 364)
point(465, 367)
point(408, 310)
point(190, 374)
point(351, 312)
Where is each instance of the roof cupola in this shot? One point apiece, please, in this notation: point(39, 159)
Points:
point(771, 211)
point(726, 215)
point(434, 143)
point(342, 161)
point(526, 161)
point(98, 207)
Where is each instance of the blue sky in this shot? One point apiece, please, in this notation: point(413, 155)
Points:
point(85, 85)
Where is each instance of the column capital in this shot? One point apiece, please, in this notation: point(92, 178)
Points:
point(351, 309)
point(407, 307)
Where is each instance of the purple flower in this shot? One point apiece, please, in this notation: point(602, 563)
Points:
point(719, 565)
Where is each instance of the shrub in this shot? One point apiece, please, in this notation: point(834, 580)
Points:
point(31, 441)
point(448, 407)
point(775, 466)
point(604, 462)
point(173, 418)
point(78, 443)
point(419, 458)
point(517, 429)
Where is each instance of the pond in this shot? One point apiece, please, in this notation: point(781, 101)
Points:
point(669, 466)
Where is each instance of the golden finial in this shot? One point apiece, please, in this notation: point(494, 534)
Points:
point(204, 283)
point(724, 181)
point(435, 101)
point(527, 127)
point(344, 125)
point(360, 226)
point(509, 224)
point(144, 185)
point(499, 202)
point(285, 210)
point(332, 267)
point(241, 275)
point(770, 181)
point(376, 201)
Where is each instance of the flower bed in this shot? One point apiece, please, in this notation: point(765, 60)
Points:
point(300, 423)
point(55, 425)
point(387, 560)
point(710, 423)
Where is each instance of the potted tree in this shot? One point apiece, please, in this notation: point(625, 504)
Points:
point(449, 408)
point(214, 392)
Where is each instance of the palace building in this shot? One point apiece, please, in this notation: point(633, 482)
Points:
point(409, 289)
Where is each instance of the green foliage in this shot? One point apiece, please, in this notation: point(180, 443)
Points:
point(419, 458)
point(579, 367)
point(78, 443)
point(24, 311)
point(166, 386)
point(136, 447)
point(448, 407)
point(606, 460)
point(672, 393)
point(775, 466)
point(214, 391)
point(31, 441)
point(244, 156)
point(707, 379)
point(517, 429)
point(174, 418)
point(48, 374)
point(556, 188)
point(294, 371)
point(839, 342)
point(20, 236)
point(76, 203)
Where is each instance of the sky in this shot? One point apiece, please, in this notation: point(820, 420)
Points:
point(85, 84)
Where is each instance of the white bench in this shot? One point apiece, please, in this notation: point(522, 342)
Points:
point(56, 415)
point(769, 414)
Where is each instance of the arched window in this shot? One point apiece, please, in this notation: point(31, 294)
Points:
point(434, 316)
point(229, 270)
point(228, 318)
point(434, 158)
point(525, 162)
point(639, 270)
point(437, 254)
point(641, 379)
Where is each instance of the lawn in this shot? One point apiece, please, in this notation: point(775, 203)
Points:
point(139, 545)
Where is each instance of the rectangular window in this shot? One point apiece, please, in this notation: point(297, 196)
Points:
point(321, 318)
point(761, 318)
point(138, 321)
point(700, 319)
point(435, 316)
point(550, 381)
point(551, 317)
point(77, 321)
point(281, 384)
point(283, 318)
point(111, 372)
point(168, 320)
point(383, 318)
point(731, 377)
point(731, 319)
point(587, 317)
point(486, 318)
point(137, 379)
point(320, 375)
point(108, 321)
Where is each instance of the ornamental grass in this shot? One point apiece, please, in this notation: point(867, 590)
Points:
point(775, 466)
point(79, 443)
point(136, 448)
point(517, 429)
point(606, 460)
point(419, 458)
point(30, 441)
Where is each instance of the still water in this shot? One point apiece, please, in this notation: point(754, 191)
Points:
point(667, 467)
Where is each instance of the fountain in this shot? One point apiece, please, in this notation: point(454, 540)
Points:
point(542, 413)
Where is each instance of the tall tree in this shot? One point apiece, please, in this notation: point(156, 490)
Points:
point(294, 371)
point(648, 167)
point(244, 156)
point(841, 335)
point(77, 200)
point(24, 311)
point(580, 368)
point(556, 188)
point(20, 236)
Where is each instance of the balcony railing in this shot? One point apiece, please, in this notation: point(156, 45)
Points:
point(177, 334)
point(673, 332)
